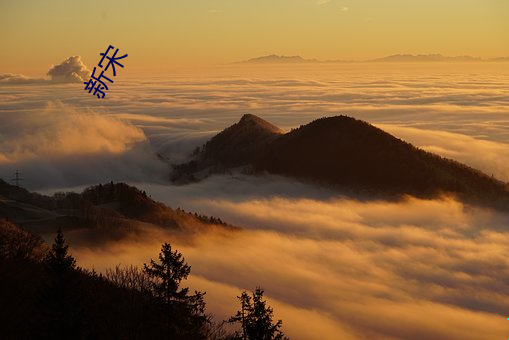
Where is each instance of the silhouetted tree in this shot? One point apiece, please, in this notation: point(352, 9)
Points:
point(255, 318)
point(58, 260)
point(129, 277)
point(185, 314)
point(61, 298)
point(49, 297)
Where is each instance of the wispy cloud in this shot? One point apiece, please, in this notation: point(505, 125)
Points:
point(434, 269)
point(343, 263)
point(15, 78)
point(488, 156)
point(63, 145)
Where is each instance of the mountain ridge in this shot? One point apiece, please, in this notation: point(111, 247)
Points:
point(230, 148)
point(116, 208)
point(396, 58)
point(352, 156)
point(278, 59)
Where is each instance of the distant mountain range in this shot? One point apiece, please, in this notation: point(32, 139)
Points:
point(396, 58)
point(277, 59)
point(344, 153)
point(426, 58)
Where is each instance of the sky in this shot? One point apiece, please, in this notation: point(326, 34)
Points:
point(160, 35)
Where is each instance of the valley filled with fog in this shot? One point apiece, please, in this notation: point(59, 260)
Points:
point(330, 264)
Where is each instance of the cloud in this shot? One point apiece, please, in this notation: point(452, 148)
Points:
point(71, 146)
point(344, 9)
point(17, 78)
point(176, 114)
point(61, 130)
point(423, 269)
point(420, 269)
point(488, 156)
point(71, 70)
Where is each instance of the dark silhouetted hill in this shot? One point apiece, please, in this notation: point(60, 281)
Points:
point(359, 158)
point(122, 306)
point(115, 208)
point(235, 146)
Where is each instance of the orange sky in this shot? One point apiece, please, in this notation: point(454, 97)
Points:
point(167, 34)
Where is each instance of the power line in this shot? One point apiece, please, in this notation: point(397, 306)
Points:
point(17, 178)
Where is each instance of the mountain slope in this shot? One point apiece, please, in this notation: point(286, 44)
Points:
point(113, 207)
point(357, 157)
point(240, 142)
point(354, 154)
point(237, 145)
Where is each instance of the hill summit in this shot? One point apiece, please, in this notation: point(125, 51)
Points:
point(236, 146)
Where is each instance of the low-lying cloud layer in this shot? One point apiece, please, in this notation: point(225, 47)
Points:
point(339, 268)
point(488, 156)
point(18, 78)
point(419, 269)
point(417, 103)
point(65, 146)
point(61, 130)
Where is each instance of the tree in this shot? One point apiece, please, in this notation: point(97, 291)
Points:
point(129, 277)
point(61, 299)
point(185, 316)
point(16, 243)
point(58, 260)
point(255, 318)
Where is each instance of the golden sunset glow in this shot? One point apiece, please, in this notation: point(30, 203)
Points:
point(164, 34)
point(321, 169)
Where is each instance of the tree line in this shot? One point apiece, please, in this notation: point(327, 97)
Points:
point(48, 296)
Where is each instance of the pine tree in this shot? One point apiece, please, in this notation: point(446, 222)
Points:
point(58, 260)
point(241, 316)
point(255, 317)
point(61, 298)
point(185, 316)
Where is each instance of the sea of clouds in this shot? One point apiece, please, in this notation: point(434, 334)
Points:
point(331, 266)
point(458, 111)
point(334, 267)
